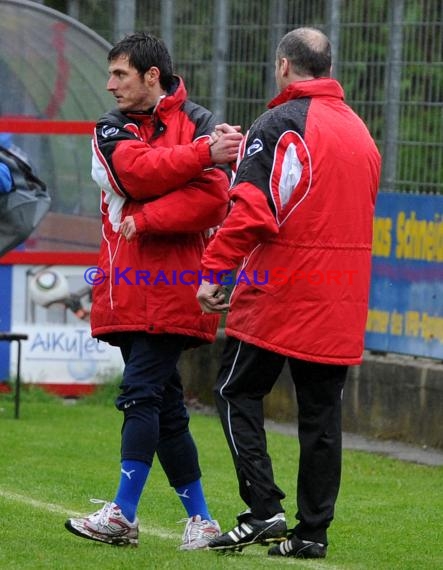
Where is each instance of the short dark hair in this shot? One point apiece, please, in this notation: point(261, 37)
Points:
point(308, 51)
point(145, 51)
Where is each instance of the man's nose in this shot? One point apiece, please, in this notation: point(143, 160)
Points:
point(111, 84)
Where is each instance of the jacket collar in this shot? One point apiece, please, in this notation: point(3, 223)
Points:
point(166, 105)
point(323, 87)
point(175, 98)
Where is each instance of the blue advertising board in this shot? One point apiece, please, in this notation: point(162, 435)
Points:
point(406, 300)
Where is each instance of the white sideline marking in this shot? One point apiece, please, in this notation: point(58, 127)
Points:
point(59, 510)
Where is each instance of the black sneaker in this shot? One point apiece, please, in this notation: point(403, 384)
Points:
point(251, 531)
point(298, 548)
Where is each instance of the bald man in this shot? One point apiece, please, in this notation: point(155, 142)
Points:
point(300, 234)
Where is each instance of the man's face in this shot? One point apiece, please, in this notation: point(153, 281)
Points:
point(131, 91)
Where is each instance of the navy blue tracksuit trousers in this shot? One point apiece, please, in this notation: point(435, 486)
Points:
point(151, 399)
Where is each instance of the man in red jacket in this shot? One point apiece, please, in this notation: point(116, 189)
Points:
point(300, 234)
point(154, 159)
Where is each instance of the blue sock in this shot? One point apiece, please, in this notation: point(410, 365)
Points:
point(132, 481)
point(193, 499)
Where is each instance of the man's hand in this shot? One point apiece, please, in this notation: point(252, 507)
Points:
point(211, 297)
point(226, 128)
point(127, 228)
point(225, 142)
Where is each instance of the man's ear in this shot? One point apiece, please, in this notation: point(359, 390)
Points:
point(284, 66)
point(152, 76)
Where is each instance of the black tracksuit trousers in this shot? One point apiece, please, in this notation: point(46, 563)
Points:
point(247, 373)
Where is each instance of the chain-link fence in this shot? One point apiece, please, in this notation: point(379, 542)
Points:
point(388, 54)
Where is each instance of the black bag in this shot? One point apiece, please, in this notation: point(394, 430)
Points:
point(22, 209)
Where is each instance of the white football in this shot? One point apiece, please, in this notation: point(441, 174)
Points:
point(47, 287)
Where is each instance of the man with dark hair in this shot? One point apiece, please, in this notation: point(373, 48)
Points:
point(300, 230)
point(154, 159)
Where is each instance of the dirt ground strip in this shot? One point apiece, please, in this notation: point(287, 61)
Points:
point(399, 450)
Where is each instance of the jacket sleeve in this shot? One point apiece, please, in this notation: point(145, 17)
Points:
point(132, 168)
point(146, 172)
point(250, 222)
point(197, 206)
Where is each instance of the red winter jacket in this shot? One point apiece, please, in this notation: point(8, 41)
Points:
point(301, 228)
point(155, 166)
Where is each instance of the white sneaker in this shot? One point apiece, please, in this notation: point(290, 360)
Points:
point(198, 533)
point(106, 525)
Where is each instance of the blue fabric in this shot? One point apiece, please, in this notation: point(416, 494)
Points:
point(132, 482)
point(5, 178)
point(6, 140)
point(193, 499)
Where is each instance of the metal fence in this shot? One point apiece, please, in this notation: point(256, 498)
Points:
point(388, 55)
